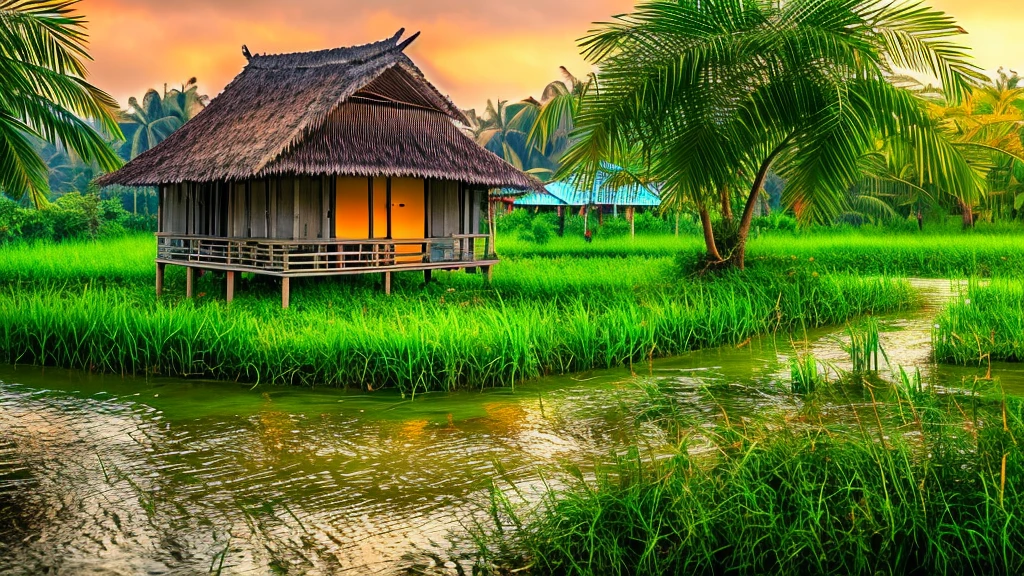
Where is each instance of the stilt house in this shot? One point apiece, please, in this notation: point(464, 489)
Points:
point(342, 161)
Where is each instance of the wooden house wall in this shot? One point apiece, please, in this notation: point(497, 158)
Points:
point(310, 208)
point(445, 211)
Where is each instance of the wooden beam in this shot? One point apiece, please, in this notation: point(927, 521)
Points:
point(285, 291)
point(428, 276)
point(230, 286)
point(160, 279)
point(189, 280)
point(295, 210)
point(488, 273)
point(387, 283)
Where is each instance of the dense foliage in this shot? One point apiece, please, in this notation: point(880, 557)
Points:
point(72, 216)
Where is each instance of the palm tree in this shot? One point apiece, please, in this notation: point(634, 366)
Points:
point(719, 93)
point(45, 95)
point(149, 123)
point(505, 130)
point(559, 104)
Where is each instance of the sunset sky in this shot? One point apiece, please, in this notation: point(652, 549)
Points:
point(471, 49)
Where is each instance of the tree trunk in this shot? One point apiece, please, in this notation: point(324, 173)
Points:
point(739, 255)
point(709, 236)
point(968, 215)
point(677, 223)
point(586, 218)
point(726, 203)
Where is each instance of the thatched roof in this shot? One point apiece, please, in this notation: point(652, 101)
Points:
point(360, 111)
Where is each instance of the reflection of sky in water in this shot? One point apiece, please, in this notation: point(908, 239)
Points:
point(122, 476)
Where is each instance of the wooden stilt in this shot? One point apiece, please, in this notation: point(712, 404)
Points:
point(230, 286)
point(387, 282)
point(428, 275)
point(285, 291)
point(160, 279)
point(488, 273)
point(190, 273)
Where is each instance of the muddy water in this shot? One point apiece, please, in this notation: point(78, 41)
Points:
point(109, 475)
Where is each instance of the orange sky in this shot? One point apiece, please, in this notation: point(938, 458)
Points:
point(471, 49)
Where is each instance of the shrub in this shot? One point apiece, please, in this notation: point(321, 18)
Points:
point(542, 231)
point(650, 223)
point(613, 227)
point(518, 220)
point(71, 216)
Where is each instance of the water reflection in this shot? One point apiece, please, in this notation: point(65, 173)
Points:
point(119, 476)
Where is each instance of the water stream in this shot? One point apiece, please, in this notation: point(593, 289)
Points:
point(110, 475)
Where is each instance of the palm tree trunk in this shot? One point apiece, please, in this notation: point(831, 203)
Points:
point(739, 256)
point(726, 203)
point(968, 215)
point(709, 236)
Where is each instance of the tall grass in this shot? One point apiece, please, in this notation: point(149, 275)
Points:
point(984, 323)
point(915, 484)
point(541, 317)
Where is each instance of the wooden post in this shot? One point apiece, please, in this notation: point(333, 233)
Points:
point(160, 279)
point(488, 273)
point(189, 280)
point(231, 286)
point(387, 283)
point(427, 276)
point(285, 291)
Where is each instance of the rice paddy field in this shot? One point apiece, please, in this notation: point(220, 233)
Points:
point(598, 408)
point(92, 307)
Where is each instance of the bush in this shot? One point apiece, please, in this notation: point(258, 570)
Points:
point(71, 216)
point(518, 220)
point(10, 219)
point(542, 231)
point(650, 223)
point(613, 227)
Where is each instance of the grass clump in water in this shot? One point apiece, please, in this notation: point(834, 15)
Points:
point(983, 324)
point(933, 488)
point(805, 376)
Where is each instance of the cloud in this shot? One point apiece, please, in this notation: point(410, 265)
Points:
point(472, 50)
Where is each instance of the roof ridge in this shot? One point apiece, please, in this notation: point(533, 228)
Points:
point(342, 55)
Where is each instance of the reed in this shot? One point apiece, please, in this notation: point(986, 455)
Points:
point(936, 490)
point(805, 376)
point(865, 346)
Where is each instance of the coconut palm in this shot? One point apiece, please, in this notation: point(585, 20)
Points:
point(157, 117)
point(44, 94)
point(505, 130)
point(719, 93)
point(559, 104)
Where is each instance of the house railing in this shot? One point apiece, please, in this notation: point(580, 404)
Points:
point(323, 257)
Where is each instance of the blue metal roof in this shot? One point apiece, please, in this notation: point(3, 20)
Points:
point(566, 194)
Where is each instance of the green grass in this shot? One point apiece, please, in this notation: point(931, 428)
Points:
point(985, 323)
point(924, 255)
point(541, 316)
point(910, 484)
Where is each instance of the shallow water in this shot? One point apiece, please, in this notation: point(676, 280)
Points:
point(110, 475)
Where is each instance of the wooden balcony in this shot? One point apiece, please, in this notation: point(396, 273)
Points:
point(296, 258)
